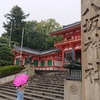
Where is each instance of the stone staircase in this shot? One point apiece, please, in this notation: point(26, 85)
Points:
point(42, 86)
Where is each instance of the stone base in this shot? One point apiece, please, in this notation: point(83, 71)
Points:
point(72, 90)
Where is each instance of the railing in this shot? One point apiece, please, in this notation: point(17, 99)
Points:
point(67, 41)
point(75, 73)
point(59, 42)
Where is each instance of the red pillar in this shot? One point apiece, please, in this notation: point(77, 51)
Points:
point(39, 63)
point(62, 57)
point(53, 62)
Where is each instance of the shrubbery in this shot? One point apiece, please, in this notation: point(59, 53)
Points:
point(6, 55)
point(5, 63)
point(8, 70)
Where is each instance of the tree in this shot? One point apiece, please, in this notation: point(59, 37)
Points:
point(49, 42)
point(15, 19)
point(37, 34)
point(31, 36)
point(6, 55)
point(48, 26)
point(3, 40)
point(45, 27)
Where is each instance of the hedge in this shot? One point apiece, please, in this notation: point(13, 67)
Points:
point(5, 63)
point(8, 70)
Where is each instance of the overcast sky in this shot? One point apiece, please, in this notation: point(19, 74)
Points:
point(63, 11)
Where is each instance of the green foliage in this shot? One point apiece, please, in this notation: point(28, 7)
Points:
point(14, 43)
point(5, 63)
point(15, 19)
point(48, 26)
point(36, 34)
point(49, 43)
point(8, 70)
point(6, 56)
point(3, 40)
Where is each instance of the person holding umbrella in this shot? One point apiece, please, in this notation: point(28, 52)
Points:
point(20, 82)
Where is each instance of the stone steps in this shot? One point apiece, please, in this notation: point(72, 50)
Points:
point(35, 89)
point(51, 85)
point(38, 86)
point(54, 94)
point(12, 96)
point(46, 90)
point(43, 86)
point(29, 89)
point(6, 97)
point(32, 95)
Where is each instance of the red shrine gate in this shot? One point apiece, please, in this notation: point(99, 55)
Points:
point(56, 58)
point(71, 42)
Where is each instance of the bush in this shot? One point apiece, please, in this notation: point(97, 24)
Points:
point(5, 63)
point(6, 55)
point(8, 70)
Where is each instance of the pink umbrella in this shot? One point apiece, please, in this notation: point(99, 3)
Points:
point(20, 80)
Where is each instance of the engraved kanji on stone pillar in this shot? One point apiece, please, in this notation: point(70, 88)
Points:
point(91, 32)
point(91, 49)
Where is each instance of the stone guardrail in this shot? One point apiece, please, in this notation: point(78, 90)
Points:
point(11, 77)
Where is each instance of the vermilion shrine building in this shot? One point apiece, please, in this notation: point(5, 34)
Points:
point(66, 50)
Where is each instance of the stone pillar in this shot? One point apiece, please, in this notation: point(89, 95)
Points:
point(30, 70)
point(72, 90)
point(90, 30)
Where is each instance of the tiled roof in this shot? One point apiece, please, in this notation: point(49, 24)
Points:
point(28, 50)
point(32, 51)
point(71, 25)
point(49, 51)
point(68, 26)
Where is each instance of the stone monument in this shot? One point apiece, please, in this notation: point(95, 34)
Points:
point(30, 66)
point(90, 30)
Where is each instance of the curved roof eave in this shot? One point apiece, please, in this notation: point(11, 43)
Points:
point(38, 53)
point(67, 28)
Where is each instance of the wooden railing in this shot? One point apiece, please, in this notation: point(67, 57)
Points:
point(68, 41)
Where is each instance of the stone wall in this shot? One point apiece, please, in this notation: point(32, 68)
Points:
point(11, 77)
